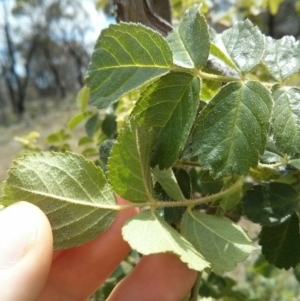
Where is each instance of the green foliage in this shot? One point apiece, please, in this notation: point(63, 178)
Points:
point(197, 146)
point(270, 203)
point(161, 238)
point(281, 243)
point(125, 57)
point(79, 207)
point(221, 241)
point(191, 35)
point(231, 131)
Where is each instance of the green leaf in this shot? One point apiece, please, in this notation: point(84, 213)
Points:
point(272, 154)
point(295, 163)
point(231, 200)
point(149, 234)
point(286, 119)
point(218, 53)
point(270, 204)
point(209, 89)
point(184, 181)
point(282, 57)
point(90, 151)
point(169, 106)
point(231, 131)
point(281, 243)
point(190, 42)
point(85, 140)
point(264, 173)
point(58, 137)
point(76, 119)
point(71, 191)
point(167, 180)
point(125, 57)
point(104, 150)
point(82, 98)
point(91, 125)
point(109, 125)
point(244, 44)
point(221, 242)
point(274, 6)
point(129, 164)
point(297, 272)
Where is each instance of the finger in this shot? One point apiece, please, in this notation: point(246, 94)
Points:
point(78, 272)
point(25, 252)
point(160, 277)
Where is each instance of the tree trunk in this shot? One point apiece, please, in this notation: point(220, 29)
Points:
point(152, 13)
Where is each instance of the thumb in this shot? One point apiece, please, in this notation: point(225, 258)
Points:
point(25, 252)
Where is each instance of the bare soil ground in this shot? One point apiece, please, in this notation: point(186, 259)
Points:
point(45, 121)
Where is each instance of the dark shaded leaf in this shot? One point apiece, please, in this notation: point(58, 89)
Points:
point(281, 243)
point(270, 203)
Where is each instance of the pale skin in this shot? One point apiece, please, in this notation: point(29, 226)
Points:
point(36, 273)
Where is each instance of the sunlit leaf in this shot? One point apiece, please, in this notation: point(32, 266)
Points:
point(149, 234)
point(218, 53)
point(282, 57)
point(231, 131)
point(129, 164)
point(222, 242)
point(270, 204)
point(169, 106)
point(71, 190)
point(76, 120)
point(209, 89)
point(286, 119)
point(125, 57)
point(82, 98)
point(244, 44)
point(190, 41)
point(85, 140)
point(281, 243)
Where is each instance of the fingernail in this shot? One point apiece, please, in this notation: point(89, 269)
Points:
point(17, 233)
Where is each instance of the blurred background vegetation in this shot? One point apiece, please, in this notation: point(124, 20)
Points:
point(45, 48)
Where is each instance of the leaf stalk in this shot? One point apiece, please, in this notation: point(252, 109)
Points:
point(189, 203)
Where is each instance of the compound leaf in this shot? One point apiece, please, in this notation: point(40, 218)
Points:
point(71, 191)
point(281, 243)
point(125, 57)
point(282, 57)
point(190, 42)
point(149, 234)
point(286, 119)
point(222, 242)
point(129, 163)
point(270, 204)
point(169, 106)
point(231, 131)
point(244, 44)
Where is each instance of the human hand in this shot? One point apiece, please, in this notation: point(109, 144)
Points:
point(31, 271)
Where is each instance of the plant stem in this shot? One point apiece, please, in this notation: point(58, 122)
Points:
point(195, 288)
point(271, 165)
point(217, 77)
point(189, 203)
